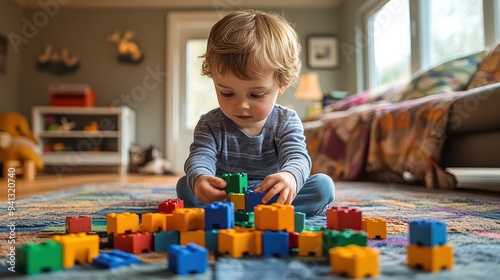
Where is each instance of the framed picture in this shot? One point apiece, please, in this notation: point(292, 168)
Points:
point(322, 52)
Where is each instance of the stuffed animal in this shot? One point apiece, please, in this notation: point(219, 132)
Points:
point(17, 142)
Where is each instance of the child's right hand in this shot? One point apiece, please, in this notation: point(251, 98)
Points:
point(209, 189)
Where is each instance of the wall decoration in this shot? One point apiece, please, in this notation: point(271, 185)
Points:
point(57, 63)
point(3, 53)
point(128, 51)
point(322, 52)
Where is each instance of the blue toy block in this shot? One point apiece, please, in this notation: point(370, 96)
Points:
point(300, 221)
point(275, 243)
point(114, 259)
point(191, 258)
point(163, 239)
point(427, 233)
point(235, 182)
point(253, 199)
point(219, 215)
point(212, 240)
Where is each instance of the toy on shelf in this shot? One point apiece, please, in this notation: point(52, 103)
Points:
point(92, 127)
point(65, 125)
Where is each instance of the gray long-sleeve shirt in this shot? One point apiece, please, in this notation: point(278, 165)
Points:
point(220, 147)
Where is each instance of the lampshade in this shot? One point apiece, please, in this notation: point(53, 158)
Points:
point(309, 88)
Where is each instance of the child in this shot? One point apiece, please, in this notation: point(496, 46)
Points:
point(252, 57)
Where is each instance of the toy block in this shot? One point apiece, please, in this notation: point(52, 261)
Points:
point(135, 243)
point(168, 206)
point(187, 259)
point(311, 243)
point(253, 199)
point(163, 239)
point(339, 218)
point(314, 228)
point(243, 216)
point(78, 247)
point(354, 261)
point(153, 222)
point(219, 215)
point(275, 243)
point(293, 238)
point(114, 259)
point(169, 222)
point(375, 228)
point(185, 219)
point(274, 217)
point(238, 199)
point(300, 221)
point(212, 240)
point(33, 258)
point(427, 233)
point(345, 237)
point(122, 223)
point(192, 236)
point(235, 182)
point(431, 259)
point(236, 243)
point(76, 224)
point(244, 224)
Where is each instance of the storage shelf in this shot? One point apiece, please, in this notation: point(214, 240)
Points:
point(79, 134)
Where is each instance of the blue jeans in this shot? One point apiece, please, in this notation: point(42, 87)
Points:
point(317, 193)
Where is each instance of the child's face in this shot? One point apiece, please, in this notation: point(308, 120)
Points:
point(247, 103)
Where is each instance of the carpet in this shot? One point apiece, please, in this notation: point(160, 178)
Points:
point(473, 222)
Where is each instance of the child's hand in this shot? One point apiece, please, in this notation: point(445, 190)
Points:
point(283, 183)
point(209, 189)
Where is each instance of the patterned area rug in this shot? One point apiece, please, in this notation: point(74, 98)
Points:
point(473, 222)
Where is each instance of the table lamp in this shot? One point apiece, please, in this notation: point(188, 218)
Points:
point(309, 90)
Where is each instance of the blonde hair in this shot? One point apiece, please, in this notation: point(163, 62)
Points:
point(251, 43)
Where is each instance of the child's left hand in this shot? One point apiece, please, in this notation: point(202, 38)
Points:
point(283, 183)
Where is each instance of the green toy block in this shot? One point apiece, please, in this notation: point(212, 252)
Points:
point(236, 182)
point(314, 228)
point(243, 216)
point(334, 238)
point(36, 258)
point(244, 224)
point(300, 220)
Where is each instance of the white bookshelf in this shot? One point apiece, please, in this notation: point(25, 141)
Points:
point(108, 146)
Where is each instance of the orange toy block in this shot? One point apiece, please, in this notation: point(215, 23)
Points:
point(339, 218)
point(122, 223)
point(274, 217)
point(431, 259)
point(238, 199)
point(188, 219)
point(169, 222)
point(311, 242)
point(354, 261)
point(236, 243)
point(79, 247)
point(192, 236)
point(154, 222)
point(375, 228)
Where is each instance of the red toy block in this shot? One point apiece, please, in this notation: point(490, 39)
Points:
point(135, 243)
point(168, 206)
point(293, 239)
point(339, 218)
point(76, 224)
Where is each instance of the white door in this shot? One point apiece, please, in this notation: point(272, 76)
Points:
point(188, 93)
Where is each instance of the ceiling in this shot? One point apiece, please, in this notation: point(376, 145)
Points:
point(187, 4)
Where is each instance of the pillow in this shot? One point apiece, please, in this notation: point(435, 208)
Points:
point(489, 71)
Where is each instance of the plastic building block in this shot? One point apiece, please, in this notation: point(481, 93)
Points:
point(212, 240)
point(274, 217)
point(314, 228)
point(185, 219)
point(300, 220)
point(431, 259)
point(154, 222)
point(293, 238)
point(169, 219)
point(238, 199)
point(78, 247)
point(187, 259)
point(253, 199)
point(244, 224)
point(163, 239)
point(114, 259)
point(275, 243)
point(333, 238)
point(168, 206)
point(192, 236)
point(122, 223)
point(354, 261)
point(219, 215)
point(135, 243)
point(236, 182)
point(32, 258)
point(375, 228)
point(76, 224)
point(311, 243)
point(236, 243)
point(427, 233)
point(339, 218)
point(244, 216)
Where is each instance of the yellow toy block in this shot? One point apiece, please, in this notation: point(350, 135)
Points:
point(238, 199)
point(375, 228)
point(122, 223)
point(354, 261)
point(236, 243)
point(154, 222)
point(79, 247)
point(188, 219)
point(431, 259)
point(274, 217)
point(311, 242)
point(192, 236)
point(169, 222)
